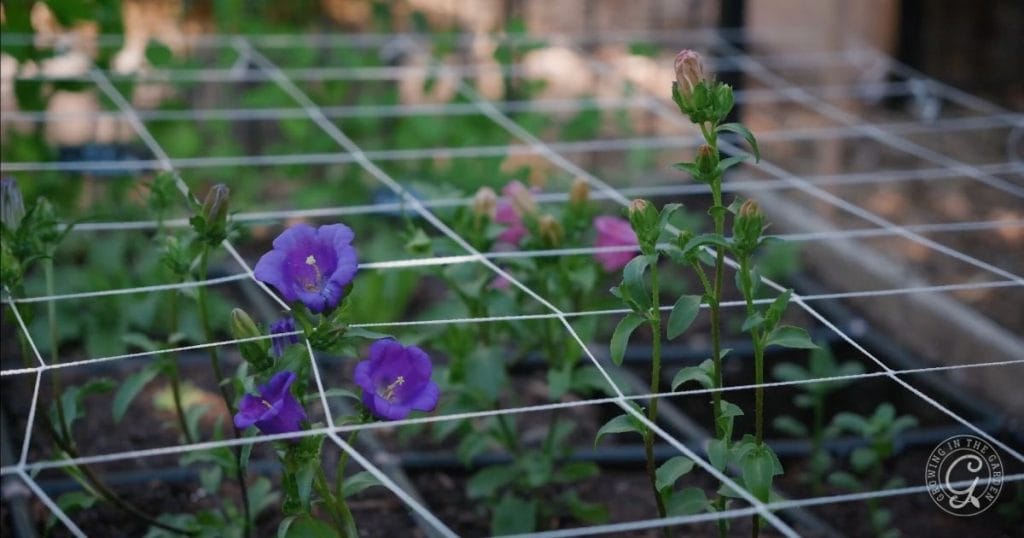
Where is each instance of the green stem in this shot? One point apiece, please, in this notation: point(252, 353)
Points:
point(818, 441)
point(204, 319)
point(716, 322)
point(339, 511)
point(65, 442)
point(339, 473)
point(758, 341)
point(55, 377)
point(652, 406)
point(172, 363)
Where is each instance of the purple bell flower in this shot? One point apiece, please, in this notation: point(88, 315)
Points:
point(396, 380)
point(310, 265)
point(275, 410)
point(279, 337)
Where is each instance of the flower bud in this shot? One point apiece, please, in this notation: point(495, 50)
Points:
point(644, 218)
point(484, 202)
point(253, 351)
point(551, 232)
point(748, 226)
point(689, 72)
point(707, 162)
point(579, 192)
point(521, 198)
point(213, 225)
point(12, 206)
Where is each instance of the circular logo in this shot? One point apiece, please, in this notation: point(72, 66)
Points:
point(964, 475)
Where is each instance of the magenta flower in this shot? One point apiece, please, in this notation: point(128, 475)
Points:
point(516, 202)
point(280, 338)
point(396, 380)
point(275, 410)
point(311, 266)
point(615, 232)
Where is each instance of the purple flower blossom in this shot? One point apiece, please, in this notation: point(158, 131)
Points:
point(614, 232)
point(311, 266)
point(279, 337)
point(396, 380)
point(275, 410)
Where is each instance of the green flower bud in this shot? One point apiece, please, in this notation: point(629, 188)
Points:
point(253, 351)
point(12, 206)
point(579, 192)
point(484, 202)
point(748, 226)
point(551, 232)
point(644, 218)
point(215, 214)
point(707, 163)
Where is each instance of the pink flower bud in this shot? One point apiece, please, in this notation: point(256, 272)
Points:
point(689, 71)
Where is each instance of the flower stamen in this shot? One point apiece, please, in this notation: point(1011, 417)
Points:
point(313, 285)
point(388, 393)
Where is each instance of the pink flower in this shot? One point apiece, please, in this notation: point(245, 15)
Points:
point(615, 232)
point(517, 201)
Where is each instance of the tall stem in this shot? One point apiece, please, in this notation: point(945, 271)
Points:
point(172, 362)
point(652, 406)
point(55, 377)
point(757, 338)
point(339, 472)
point(716, 324)
point(204, 319)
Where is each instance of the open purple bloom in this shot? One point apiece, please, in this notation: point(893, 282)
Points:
point(274, 410)
point(310, 265)
point(279, 337)
point(615, 232)
point(396, 380)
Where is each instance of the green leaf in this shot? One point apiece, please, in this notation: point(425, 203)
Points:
point(620, 424)
point(788, 371)
point(574, 472)
point(706, 239)
point(358, 482)
point(718, 453)
point(70, 503)
point(686, 502)
point(666, 213)
point(671, 470)
point(862, 458)
point(620, 338)
point(790, 426)
point(592, 513)
point(729, 162)
point(850, 422)
point(778, 307)
point(753, 321)
point(633, 281)
point(758, 468)
point(789, 336)
point(693, 373)
point(131, 387)
point(559, 380)
point(739, 129)
point(487, 482)
point(308, 527)
point(844, 480)
point(683, 313)
point(513, 515)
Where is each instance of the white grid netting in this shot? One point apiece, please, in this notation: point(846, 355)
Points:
point(773, 88)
